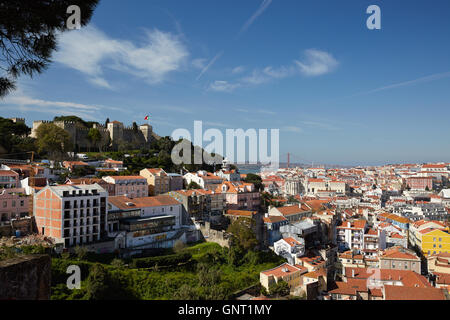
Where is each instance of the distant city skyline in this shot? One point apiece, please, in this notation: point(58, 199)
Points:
point(339, 93)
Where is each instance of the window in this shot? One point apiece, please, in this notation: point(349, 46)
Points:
point(13, 203)
point(5, 204)
point(440, 239)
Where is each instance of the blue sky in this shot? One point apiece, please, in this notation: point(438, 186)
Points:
point(338, 92)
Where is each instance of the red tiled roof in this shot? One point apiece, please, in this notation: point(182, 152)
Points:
point(413, 293)
point(145, 202)
point(241, 213)
point(274, 219)
point(291, 241)
point(279, 271)
point(290, 210)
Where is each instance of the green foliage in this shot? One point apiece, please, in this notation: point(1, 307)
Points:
point(79, 172)
point(52, 140)
point(94, 136)
point(186, 293)
point(256, 180)
point(242, 233)
point(281, 289)
point(81, 252)
point(118, 263)
point(65, 255)
point(97, 283)
point(14, 140)
point(166, 261)
point(206, 276)
point(292, 199)
point(193, 185)
point(179, 246)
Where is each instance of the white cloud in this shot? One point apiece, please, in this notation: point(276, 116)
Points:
point(217, 124)
point(238, 70)
point(266, 112)
point(317, 63)
point(432, 77)
point(210, 64)
point(199, 63)
point(320, 125)
point(90, 51)
point(22, 99)
point(263, 7)
point(223, 86)
point(292, 129)
point(267, 74)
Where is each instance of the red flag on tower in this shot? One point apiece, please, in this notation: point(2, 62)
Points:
point(146, 118)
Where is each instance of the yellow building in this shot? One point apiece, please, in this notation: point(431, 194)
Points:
point(157, 179)
point(439, 263)
point(432, 241)
point(286, 272)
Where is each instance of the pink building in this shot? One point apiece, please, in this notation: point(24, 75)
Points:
point(13, 204)
point(420, 183)
point(240, 196)
point(9, 179)
point(131, 186)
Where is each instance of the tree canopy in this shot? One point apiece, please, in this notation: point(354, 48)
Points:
point(94, 136)
point(14, 140)
point(52, 139)
point(256, 180)
point(242, 233)
point(28, 32)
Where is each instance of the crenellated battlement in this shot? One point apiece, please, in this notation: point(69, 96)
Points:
point(114, 133)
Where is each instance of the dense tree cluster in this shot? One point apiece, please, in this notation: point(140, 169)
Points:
point(209, 275)
point(14, 140)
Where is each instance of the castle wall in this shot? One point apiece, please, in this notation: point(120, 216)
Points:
point(113, 135)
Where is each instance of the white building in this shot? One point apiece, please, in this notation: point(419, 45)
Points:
point(146, 222)
point(290, 248)
point(350, 235)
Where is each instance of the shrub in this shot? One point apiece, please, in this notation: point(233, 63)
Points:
point(163, 261)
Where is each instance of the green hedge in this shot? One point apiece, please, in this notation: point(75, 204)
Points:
point(162, 261)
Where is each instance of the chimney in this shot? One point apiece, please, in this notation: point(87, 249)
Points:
point(353, 273)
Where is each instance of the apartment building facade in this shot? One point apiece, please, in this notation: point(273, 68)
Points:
point(157, 180)
point(146, 222)
point(72, 214)
point(131, 186)
point(14, 203)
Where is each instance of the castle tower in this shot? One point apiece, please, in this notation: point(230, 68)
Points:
point(115, 129)
point(146, 130)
